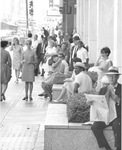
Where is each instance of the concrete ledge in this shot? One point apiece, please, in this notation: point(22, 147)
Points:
point(61, 135)
point(56, 90)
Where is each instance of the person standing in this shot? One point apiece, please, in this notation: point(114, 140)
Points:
point(114, 91)
point(28, 66)
point(40, 52)
point(65, 50)
point(35, 42)
point(50, 50)
point(5, 69)
point(82, 53)
point(17, 55)
point(73, 51)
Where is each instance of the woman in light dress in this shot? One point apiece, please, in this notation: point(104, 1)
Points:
point(50, 50)
point(28, 65)
point(102, 65)
point(17, 55)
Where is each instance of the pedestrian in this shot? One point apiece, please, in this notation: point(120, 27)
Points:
point(5, 69)
point(17, 55)
point(113, 91)
point(73, 51)
point(28, 66)
point(82, 53)
point(50, 50)
point(40, 52)
point(65, 50)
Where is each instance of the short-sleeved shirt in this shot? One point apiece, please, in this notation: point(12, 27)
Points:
point(84, 81)
point(82, 54)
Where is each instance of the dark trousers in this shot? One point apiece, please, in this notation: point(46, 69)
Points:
point(48, 89)
point(98, 128)
point(39, 60)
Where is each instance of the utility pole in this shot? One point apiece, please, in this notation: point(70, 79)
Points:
point(26, 1)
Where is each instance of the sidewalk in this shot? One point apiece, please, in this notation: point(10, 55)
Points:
point(22, 122)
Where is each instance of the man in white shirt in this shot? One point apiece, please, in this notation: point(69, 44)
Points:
point(80, 84)
point(35, 42)
point(82, 53)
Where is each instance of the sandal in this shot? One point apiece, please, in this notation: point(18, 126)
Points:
point(25, 98)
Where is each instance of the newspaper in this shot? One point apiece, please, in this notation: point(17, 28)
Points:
point(99, 110)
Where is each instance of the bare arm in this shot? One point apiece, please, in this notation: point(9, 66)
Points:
point(56, 63)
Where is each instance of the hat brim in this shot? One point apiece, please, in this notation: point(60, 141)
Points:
point(109, 73)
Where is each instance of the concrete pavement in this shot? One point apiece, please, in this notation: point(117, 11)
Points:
point(22, 122)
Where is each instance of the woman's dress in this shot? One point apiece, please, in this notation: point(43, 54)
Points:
point(104, 64)
point(28, 66)
point(17, 55)
point(49, 51)
point(5, 67)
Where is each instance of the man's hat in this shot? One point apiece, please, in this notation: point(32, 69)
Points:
point(113, 70)
point(79, 64)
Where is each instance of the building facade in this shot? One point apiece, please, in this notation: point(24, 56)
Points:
point(99, 24)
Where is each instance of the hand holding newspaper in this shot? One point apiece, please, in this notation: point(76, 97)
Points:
point(99, 110)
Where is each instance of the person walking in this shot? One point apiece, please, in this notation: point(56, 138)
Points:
point(28, 66)
point(5, 69)
point(17, 55)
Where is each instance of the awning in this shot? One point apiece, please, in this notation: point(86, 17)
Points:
point(8, 26)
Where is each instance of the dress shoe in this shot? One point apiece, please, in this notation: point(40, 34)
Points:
point(25, 98)
point(31, 98)
point(3, 97)
point(45, 96)
point(42, 94)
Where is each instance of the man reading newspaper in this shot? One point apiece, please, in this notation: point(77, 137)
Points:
point(112, 94)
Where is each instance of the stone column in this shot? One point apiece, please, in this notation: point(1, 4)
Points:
point(106, 24)
point(86, 10)
point(117, 60)
point(92, 30)
point(79, 18)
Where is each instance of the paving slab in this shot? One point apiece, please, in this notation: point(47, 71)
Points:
point(22, 122)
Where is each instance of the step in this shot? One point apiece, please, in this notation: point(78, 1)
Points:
point(59, 134)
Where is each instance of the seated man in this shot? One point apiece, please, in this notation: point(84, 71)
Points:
point(112, 91)
point(60, 66)
point(80, 82)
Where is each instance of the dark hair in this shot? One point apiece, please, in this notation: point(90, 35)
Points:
point(30, 35)
point(62, 54)
point(81, 43)
point(105, 50)
point(59, 45)
point(50, 61)
point(70, 40)
point(4, 44)
point(76, 59)
point(76, 38)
